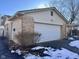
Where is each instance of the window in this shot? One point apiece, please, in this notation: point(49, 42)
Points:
point(51, 13)
point(13, 29)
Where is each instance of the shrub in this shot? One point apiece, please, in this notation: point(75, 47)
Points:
point(27, 38)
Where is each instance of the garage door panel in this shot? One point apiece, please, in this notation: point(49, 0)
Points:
point(48, 32)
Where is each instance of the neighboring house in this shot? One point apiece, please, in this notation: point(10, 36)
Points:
point(1, 27)
point(73, 26)
point(0, 20)
point(4, 18)
point(49, 22)
point(6, 24)
point(1, 30)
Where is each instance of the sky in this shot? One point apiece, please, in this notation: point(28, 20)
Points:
point(9, 7)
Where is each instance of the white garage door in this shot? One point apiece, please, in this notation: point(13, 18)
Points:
point(48, 32)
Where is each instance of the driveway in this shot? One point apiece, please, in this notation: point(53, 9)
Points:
point(58, 44)
point(5, 52)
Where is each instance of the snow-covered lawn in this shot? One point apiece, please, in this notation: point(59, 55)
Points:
point(71, 38)
point(53, 54)
point(74, 43)
point(18, 51)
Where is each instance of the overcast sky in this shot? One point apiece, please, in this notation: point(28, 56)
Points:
point(9, 7)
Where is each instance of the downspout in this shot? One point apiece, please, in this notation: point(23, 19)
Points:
point(11, 31)
point(22, 26)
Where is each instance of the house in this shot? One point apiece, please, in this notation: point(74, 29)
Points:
point(1, 27)
point(1, 30)
point(75, 24)
point(6, 24)
point(49, 22)
point(74, 27)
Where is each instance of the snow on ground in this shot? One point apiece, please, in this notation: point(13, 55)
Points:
point(18, 51)
point(36, 48)
point(70, 38)
point(75, 43)
point(58, 54)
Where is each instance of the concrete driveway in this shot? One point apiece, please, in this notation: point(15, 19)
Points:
point(5, 52)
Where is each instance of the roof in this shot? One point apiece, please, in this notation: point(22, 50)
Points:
point(38, 10)
point(6, 16)
point(73, 25)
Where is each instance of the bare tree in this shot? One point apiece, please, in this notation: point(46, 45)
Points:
point(69, 8)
